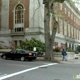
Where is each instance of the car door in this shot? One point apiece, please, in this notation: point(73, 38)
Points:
point(11, 54)
point(17, 54)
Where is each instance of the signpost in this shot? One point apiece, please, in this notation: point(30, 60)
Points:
point(34, 49)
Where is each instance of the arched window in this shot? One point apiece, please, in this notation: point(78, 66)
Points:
point(19, 18)
point(19, 14)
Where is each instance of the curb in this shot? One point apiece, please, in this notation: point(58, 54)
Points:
point(59, 61)
point(42, 59)
point(70, 62)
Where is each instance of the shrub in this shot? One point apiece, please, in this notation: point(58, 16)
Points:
point(78, 48)
point(1, 47)
point(18, 47)
point(76, 52)
point(30, 44)
point(69, 49)
point(57, 49)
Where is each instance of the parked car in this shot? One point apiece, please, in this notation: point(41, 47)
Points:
point(39, 53)
point(19, 54)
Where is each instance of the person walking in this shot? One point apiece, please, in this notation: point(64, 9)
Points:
point(64, 55)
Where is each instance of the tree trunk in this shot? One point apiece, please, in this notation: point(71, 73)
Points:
point(54, 29)
point(49, 39)
point(47, 32)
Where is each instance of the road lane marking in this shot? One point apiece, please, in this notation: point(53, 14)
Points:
point(3, 75)
point(26, 70)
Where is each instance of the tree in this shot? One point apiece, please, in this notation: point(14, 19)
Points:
point(49, 38)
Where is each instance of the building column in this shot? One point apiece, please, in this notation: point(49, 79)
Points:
point(36, 16)
point(67, 44)
point(5, 15)
point(18, 43)
point(71, 45)
point(59, 44)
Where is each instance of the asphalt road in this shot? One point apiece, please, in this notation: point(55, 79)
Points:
point(37, 70)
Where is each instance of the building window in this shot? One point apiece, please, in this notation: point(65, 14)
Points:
point(19, 14)
point(61, 6)
point(68, 30)
point(74, 19)
point(77, 34)
point(68, 13)
point(19, 18)
point(65, 10)
point(65, 28)
point(72, 31)
point(72, 16)
point(61, 26)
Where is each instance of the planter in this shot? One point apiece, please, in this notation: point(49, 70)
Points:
point(76, 56)
point(70, 55)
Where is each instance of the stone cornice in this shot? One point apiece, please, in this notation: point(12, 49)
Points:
point(73, 7)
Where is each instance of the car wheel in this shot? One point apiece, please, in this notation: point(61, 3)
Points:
point(22, 58)
point(4, 57)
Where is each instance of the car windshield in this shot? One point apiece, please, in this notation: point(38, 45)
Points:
point(26, 51)
point(13, 51)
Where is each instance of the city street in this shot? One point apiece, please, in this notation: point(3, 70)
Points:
point(46, 33)
point(37, 70)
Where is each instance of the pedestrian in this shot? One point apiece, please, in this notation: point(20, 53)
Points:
point(64, 55)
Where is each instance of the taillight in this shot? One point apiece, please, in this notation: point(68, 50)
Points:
point(30, 54)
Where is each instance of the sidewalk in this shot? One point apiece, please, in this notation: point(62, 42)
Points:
point(74, 61)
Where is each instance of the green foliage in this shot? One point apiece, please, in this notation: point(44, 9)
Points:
point(1, 47)
point(30, 44)
point(44, 1)
point(18, 47)
point(61, 1)
point(57, 49)
point(77, 50)
point(69, 49)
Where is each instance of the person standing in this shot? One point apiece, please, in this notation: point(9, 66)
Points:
point(64, 55)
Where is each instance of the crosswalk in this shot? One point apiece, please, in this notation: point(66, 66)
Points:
point(4, 76)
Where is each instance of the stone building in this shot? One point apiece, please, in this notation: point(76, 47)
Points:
point(20, 20)
point(23, 19)
point(68, 31)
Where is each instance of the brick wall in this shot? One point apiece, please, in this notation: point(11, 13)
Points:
point(12, 4)
point(69, 17)
point(0, 13)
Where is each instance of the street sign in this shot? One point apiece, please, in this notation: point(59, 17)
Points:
point(34, 49)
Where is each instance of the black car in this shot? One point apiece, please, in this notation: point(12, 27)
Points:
point(19, 54)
